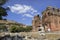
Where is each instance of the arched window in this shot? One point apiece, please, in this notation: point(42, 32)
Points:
point(39, 30)
point(49, 13)
point(38, 26)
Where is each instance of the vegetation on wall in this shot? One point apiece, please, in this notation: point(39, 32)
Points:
point(20, 29)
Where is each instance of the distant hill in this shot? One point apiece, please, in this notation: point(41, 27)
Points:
point(9, 23)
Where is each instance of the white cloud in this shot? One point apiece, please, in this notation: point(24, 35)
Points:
point(23, 9)
point(23, 18)
point(28, 15)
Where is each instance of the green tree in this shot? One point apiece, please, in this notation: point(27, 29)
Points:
point(13, 29)
point(28, 29)
point(3, 11)
point(2, 2)
point(20, 29)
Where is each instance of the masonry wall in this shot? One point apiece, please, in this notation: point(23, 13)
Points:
point(36, 23)
point(51, 19)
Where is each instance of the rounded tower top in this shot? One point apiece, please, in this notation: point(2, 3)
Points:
point(49, 7)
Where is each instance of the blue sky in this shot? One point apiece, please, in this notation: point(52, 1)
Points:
point(23, 11)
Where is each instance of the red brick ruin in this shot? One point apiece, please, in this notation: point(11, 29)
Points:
point(50, 20)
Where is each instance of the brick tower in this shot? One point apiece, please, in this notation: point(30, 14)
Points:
point(36, 23)
point(51, 19)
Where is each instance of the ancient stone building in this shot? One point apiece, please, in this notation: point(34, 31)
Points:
point(51, 19)
point(36, 23)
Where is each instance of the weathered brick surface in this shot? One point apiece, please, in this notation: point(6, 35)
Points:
point(51, 19)
point(36, 23)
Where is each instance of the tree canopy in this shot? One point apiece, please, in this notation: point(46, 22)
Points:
point(2, 2)
point(3, 11)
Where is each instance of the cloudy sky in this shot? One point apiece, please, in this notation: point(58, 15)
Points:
point(23, 11)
